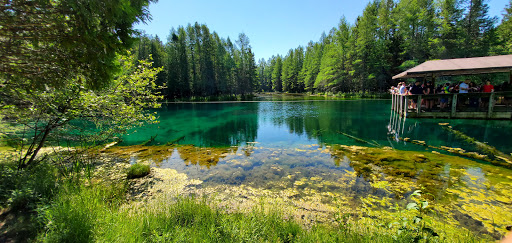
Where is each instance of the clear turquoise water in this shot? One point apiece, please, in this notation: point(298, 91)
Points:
point(310, 122)
point(290, 146)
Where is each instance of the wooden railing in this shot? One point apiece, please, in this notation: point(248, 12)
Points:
point(496, 105)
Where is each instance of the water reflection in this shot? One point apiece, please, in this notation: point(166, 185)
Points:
point(301, 123)
point(352, 150)
point(203, 125)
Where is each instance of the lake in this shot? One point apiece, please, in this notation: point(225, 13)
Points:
point(354, 154)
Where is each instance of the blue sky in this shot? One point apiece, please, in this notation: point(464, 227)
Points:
point(273, 26)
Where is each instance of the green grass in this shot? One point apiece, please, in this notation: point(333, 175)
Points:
point(93, 214)
point(137, 171)
point(99, 213)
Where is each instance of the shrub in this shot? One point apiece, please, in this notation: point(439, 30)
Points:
point(137, 171)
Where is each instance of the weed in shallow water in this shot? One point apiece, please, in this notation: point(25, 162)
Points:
point(137, 171)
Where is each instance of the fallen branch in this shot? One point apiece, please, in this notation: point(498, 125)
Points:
point(359, 139)
point(486, 148)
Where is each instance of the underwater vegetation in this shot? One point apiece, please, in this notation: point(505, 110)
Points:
point(340, 184)
point(137, 171)
point(487, 153)
point(499, 157)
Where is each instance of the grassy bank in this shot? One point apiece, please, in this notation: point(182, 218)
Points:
point(277, 96)
point(319, 96)
point(213, 98)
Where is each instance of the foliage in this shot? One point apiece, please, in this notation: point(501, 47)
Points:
point(415, 227)
point(77, 113)
point(25, 190)
point(388, 38)
point(77, 212)
point(60, 69)
point(50, 43)
point(197, 62)
point(505, 28)
point(137, 171)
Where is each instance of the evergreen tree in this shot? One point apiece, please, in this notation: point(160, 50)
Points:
point(288, 71)
point(365, 57)
point(450, 17)
point(417, 24)
point(311, 66)
point(476, 28)
point(505, 29)
point(277, 82)
point(329, 67)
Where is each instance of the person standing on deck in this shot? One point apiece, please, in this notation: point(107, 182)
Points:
point(444, 99)
point(507, 87)
point(403, 90)
point(429, 89)
point(487, 88)
point(463, 89)
point(416, 89)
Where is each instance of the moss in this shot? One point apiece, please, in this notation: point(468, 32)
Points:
point(302, 182)
point(138, 171)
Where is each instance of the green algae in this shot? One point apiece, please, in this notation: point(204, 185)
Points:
point(502, 158)
point(206, 157)
point(313, 184)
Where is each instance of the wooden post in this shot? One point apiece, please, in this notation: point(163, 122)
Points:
point(454, 105)
point(392, 102)
point(405, 106)
point(418, 105)
point(397, 106)
point(399, 111)
point(491, 106)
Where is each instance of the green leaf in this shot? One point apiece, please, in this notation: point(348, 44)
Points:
point(412, 206)
point(424, 204)
point(416, 193)
point(417, 219)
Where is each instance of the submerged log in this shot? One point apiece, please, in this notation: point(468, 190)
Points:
point(486, 148)
point(175, 141)
point(359, 139)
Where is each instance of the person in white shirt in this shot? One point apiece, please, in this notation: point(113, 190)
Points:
point(403, 90)
point(464, 87)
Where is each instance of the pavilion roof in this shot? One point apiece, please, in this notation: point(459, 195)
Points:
point(460, 66)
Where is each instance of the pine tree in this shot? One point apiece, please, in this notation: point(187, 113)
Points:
point(476, 26)
point(450, 16)
point(277, 82)
point(311, 66)
point(505, 29)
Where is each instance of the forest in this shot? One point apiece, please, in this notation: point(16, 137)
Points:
point(388, 38)
point(76, 79)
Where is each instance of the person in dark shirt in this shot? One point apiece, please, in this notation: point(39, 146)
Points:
point(507, 87)
point(416, 89)
point(429, 89)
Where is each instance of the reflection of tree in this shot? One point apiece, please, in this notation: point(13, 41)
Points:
point(240, 128)
point(206, 125)
point(323, 120)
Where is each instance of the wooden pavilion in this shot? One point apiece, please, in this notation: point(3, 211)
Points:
point(497, 103)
